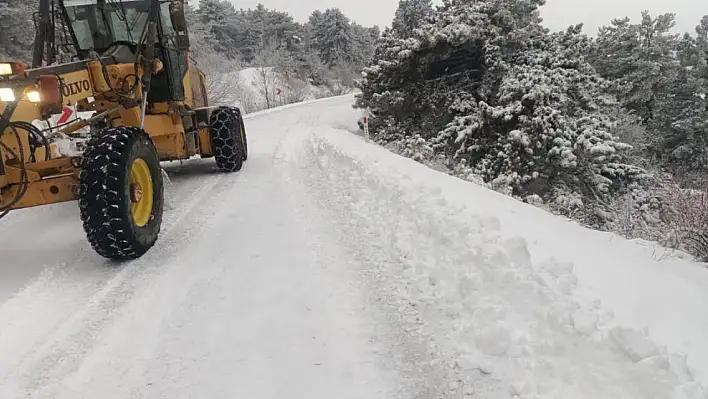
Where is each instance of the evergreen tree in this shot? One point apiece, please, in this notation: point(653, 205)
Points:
point(494, 94)
point(410, 15)
point(332, 37)
point(658, 78)
point(680, 129)
point(215, 18)
point(640, 59)
point(363, 41)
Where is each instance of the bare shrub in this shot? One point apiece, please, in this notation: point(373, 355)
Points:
point(322, 94)
point(295, 91)
point(686, 215)
point(639, 212)
point(627, 221)
point(340, 80)
point(223, 88)
point(269, 62)
point(248, 100)
point(266, 84)
point(222, 79)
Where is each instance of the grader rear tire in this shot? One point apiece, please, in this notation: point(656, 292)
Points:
point(228, 138)
point(121, 193)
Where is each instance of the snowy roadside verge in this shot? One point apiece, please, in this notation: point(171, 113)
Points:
point(294, 105)
point(493, 283)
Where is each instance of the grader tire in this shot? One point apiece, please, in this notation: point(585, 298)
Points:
point(121, 193)
point(228, 139)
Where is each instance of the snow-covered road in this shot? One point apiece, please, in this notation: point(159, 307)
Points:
point(246, 295)
point(329, 268)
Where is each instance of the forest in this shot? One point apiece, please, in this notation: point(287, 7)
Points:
point(607, 129)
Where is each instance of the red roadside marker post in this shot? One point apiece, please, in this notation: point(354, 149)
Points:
point(366, 127)
point(279, 93)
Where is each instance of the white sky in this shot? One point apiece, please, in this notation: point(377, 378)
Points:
point(558, 14)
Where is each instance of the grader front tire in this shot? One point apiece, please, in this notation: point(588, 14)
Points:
point(121, 193)
point(228, 139)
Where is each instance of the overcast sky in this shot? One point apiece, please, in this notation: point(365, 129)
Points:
point(557, 14)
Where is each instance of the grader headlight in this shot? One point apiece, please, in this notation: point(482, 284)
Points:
point(5, 69)
point(7, 95)
point(33, 96)
point(12, 68)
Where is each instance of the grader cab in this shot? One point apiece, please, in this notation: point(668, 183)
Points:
point(129, 71)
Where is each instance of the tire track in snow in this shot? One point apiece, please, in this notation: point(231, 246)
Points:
point(177, 297)
point(164, 294)
point(88, 322)
point(62, 352)
point(423, 368)
point(184, 338)
point(72, 263)
point(77, 287)
point(413, 357)
point(399, 343)
point(406, 379)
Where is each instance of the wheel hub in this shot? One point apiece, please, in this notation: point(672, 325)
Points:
point(136, 192)
point(141, 192)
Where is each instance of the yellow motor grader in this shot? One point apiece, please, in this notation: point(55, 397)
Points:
point(125, 65)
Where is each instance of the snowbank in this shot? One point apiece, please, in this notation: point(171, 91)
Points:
point(542, 305)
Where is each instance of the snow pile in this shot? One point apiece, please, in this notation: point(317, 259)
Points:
point(495, 305)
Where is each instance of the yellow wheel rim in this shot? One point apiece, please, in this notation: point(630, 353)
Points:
point(141, 192)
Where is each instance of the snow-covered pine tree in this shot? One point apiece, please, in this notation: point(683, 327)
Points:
point(680, 129)
point(216, 18)
point(333, 37)
point(386, 89)
point(363, 40)
point(494, 93)
point(410, 15)
point(640, 58)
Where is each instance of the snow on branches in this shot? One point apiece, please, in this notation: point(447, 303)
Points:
point(492, 91)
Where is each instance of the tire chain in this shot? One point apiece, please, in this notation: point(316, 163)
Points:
point(228, 153)
point(99, 192)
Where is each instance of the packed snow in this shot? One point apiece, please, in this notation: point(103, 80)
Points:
point(331, 268)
